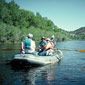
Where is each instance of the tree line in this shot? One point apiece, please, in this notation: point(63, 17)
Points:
point(16, 23)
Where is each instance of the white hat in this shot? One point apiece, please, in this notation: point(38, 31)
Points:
point(52, 36)
point(30, 35)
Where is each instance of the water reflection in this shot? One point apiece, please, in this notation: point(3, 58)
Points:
point(70, 70)
point(27, 76)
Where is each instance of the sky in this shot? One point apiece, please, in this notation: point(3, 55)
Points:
point(66, 14)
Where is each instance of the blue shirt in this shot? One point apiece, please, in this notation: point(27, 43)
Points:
point(43, 43)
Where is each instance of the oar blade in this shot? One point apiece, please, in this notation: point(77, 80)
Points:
point(81, 50)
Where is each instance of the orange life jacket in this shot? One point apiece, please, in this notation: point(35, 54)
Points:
point(50, 45)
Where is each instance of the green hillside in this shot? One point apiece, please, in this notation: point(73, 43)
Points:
point(16, 23)
point(80, 31)
point(79, 34)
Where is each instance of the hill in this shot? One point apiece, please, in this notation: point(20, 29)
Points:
point(16, 23)
point(79, 33)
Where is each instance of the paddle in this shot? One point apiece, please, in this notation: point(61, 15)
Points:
point(10, 49)
point(80, 50)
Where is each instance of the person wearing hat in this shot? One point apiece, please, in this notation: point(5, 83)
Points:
point(46, 46)
point(42, 44)
point(53, 40)
point(28, 45)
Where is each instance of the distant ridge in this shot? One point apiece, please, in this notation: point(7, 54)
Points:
point(79, 34)
point(80, 31)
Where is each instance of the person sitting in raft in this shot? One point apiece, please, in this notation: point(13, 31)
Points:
point(49, 47)
point(42, 46)
point(53, 40)
point(46, 47)
point(28, 45)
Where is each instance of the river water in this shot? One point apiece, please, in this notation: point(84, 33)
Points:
point(69, 71)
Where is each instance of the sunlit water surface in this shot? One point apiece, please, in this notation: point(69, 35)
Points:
point(69, 71)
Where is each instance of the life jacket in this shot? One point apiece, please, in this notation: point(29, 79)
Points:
point(27, 43)
point(50, 45)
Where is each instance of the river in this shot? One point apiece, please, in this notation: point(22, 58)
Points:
point(69, 71)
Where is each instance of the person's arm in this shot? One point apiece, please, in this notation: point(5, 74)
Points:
point(22, 45)
point(33, 45)
point(22, 48)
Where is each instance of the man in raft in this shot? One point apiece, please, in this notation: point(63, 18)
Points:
point(46, 47)
point(28, 45)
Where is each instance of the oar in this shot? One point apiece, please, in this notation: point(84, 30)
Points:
point(82, 50)
point(10, 49)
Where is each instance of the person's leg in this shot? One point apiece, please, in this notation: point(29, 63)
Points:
point(42, 53)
